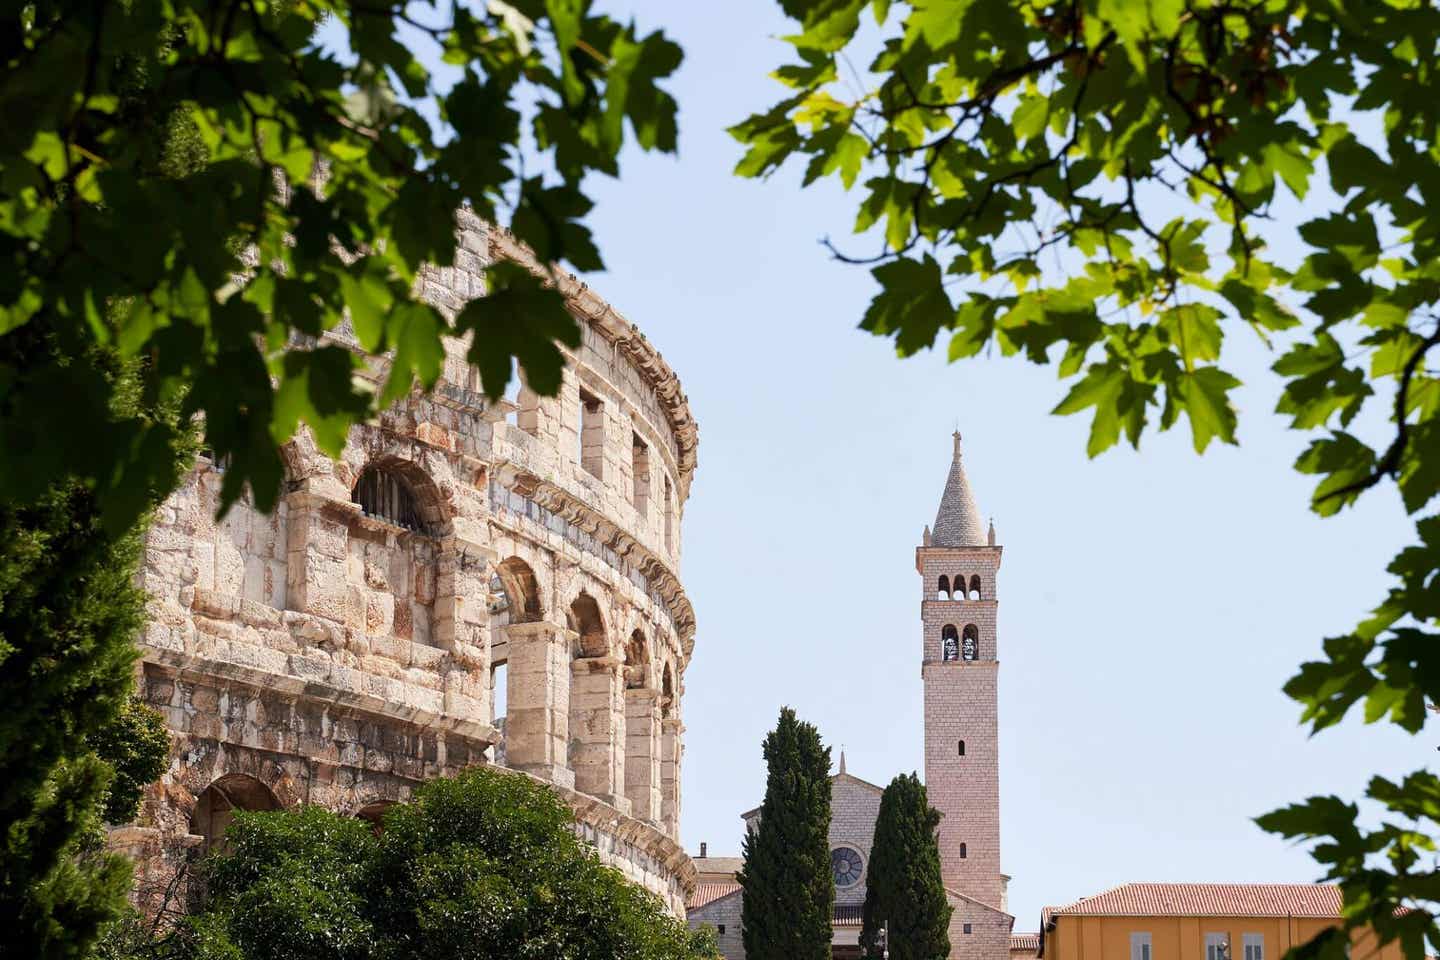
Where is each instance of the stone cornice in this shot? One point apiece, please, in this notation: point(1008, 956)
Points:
point(557, 499)
point(589, 306)
point(191, 666)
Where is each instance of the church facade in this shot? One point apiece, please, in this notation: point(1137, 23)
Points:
point(958, 562)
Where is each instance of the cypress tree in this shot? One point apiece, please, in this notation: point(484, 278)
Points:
point(903, 884)
point(76, 748)
point(789, 892)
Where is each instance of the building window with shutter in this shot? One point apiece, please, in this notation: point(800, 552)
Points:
point(1254, 946)
point(1217, 947)
point(1139, 946)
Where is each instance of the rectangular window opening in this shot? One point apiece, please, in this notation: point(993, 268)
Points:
point(1216, 947)
point(1254, 946)
point(592, 434)
point(966, 928)
point(669, 517)
point(640, 469)
point(962, 748)
point(1139, 946)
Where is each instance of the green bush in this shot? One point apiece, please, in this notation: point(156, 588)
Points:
point(483, 865)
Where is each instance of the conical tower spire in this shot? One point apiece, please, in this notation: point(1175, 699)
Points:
point(957, 522)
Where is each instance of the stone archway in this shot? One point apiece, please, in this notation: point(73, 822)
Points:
point(216, 806)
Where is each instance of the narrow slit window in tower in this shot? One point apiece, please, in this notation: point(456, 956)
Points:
point(962, 748)
point(962, 851)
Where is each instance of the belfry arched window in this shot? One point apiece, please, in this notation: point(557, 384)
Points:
point(943, 588)
point(970, 643)
point(384, 494)
point(949, 643)
point(975, 588)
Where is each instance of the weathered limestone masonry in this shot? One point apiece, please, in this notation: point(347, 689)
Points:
point(958, 562)
point(470, 583)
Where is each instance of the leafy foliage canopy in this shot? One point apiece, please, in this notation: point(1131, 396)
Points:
point(314, 189)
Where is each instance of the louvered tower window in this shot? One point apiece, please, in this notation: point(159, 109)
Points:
point(384, 494)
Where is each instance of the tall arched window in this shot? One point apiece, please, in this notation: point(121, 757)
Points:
point(383, 493)
point(970, 643)
point(975, 588)
point(667, 693)
point(943, 588)
point(949, 643)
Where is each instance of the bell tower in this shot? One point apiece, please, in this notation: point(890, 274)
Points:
point(959, 663)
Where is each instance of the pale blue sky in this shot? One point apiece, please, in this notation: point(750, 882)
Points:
point(1151, 604)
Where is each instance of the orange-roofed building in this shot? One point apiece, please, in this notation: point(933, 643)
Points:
point(1196, 921)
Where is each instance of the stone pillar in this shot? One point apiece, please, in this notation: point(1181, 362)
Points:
point(537, 705)
point(597, 728)
point(670, 751)
point(318, 532)
point(642, 753)
point(459, 625)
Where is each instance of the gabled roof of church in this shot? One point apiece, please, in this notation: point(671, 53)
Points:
point(843, 774)
point(957, 522)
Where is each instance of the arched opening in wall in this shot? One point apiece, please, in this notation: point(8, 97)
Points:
point(975, 588)
point(949, 643)
point(383, 493)
point(584, 618)
point(521, 589)
point(942, 590)
point(970, 642)
point(374, 814)
point(592, 699)
point(215, 808)
point(635, 658)
point(963, 852)
point(667, 693)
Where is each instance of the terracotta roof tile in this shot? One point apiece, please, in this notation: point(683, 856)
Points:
point(706, 893)
point(1210, 899)
point(1024, 941)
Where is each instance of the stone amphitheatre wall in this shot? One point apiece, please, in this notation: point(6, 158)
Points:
point(470, 583)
